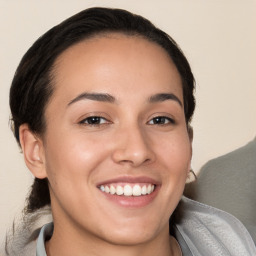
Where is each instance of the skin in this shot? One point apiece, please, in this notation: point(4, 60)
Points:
point(127, 142)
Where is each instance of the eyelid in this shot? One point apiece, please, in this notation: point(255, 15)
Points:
point(95, 114)
point(170, 120)
point(83, 121)
point(169, 117)
point(162, 114)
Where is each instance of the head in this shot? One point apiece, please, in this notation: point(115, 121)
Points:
point(87, 40)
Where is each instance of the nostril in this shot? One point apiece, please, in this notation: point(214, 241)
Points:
point(133, 148)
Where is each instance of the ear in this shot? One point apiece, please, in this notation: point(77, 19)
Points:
point(33, 151)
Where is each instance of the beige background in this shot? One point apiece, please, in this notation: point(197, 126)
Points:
point(217, 36)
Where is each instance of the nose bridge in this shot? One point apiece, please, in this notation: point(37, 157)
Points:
point(133, 146)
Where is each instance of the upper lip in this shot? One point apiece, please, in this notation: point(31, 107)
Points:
point(130, 179)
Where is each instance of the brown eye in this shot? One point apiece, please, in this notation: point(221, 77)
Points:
point(94, 120)
point(161, 120)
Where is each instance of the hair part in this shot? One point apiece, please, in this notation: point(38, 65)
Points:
point(33, 82)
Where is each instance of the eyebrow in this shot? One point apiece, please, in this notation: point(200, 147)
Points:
point(163, 97)
point(104, 97)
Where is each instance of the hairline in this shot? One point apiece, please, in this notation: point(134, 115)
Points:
point(99, 35)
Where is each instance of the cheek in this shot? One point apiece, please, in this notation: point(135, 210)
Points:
point(73, 157)
point(71, 165)
point(174, 152)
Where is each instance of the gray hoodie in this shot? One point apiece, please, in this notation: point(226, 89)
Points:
point(201, 230)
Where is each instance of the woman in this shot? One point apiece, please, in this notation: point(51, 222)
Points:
point(101, 107)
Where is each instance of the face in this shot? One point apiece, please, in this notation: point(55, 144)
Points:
point(116, 148)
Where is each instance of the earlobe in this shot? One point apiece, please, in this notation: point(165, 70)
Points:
point(33, 151)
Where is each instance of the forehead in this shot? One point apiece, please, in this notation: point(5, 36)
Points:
point(115, 59)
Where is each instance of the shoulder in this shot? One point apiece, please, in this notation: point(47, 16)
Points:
point(22, 238)
point(235, 160)
point(205, 230)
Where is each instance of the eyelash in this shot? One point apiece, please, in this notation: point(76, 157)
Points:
point(99, 121)
point(94, 121)
point(161, 120)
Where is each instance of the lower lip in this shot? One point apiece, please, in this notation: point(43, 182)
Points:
point(132, 201)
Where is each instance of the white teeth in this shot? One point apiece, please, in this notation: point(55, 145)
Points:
point(107, 189)
point(119, 190)
point(128, 190)
point(149, 189)
point(112, 190)
point(144, 190)
point(136, 190)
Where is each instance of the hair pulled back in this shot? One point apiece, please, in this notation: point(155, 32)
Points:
point(32, 85)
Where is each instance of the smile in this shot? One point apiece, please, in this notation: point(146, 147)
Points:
point(128, 190)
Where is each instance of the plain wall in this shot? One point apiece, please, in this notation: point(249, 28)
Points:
point(217, 36)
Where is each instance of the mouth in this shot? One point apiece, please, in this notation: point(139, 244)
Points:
point(130, 191)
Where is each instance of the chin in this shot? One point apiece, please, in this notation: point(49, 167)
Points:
point(130, 238)
point(134, 233)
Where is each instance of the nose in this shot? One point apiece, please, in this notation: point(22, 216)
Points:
point(133, 147)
